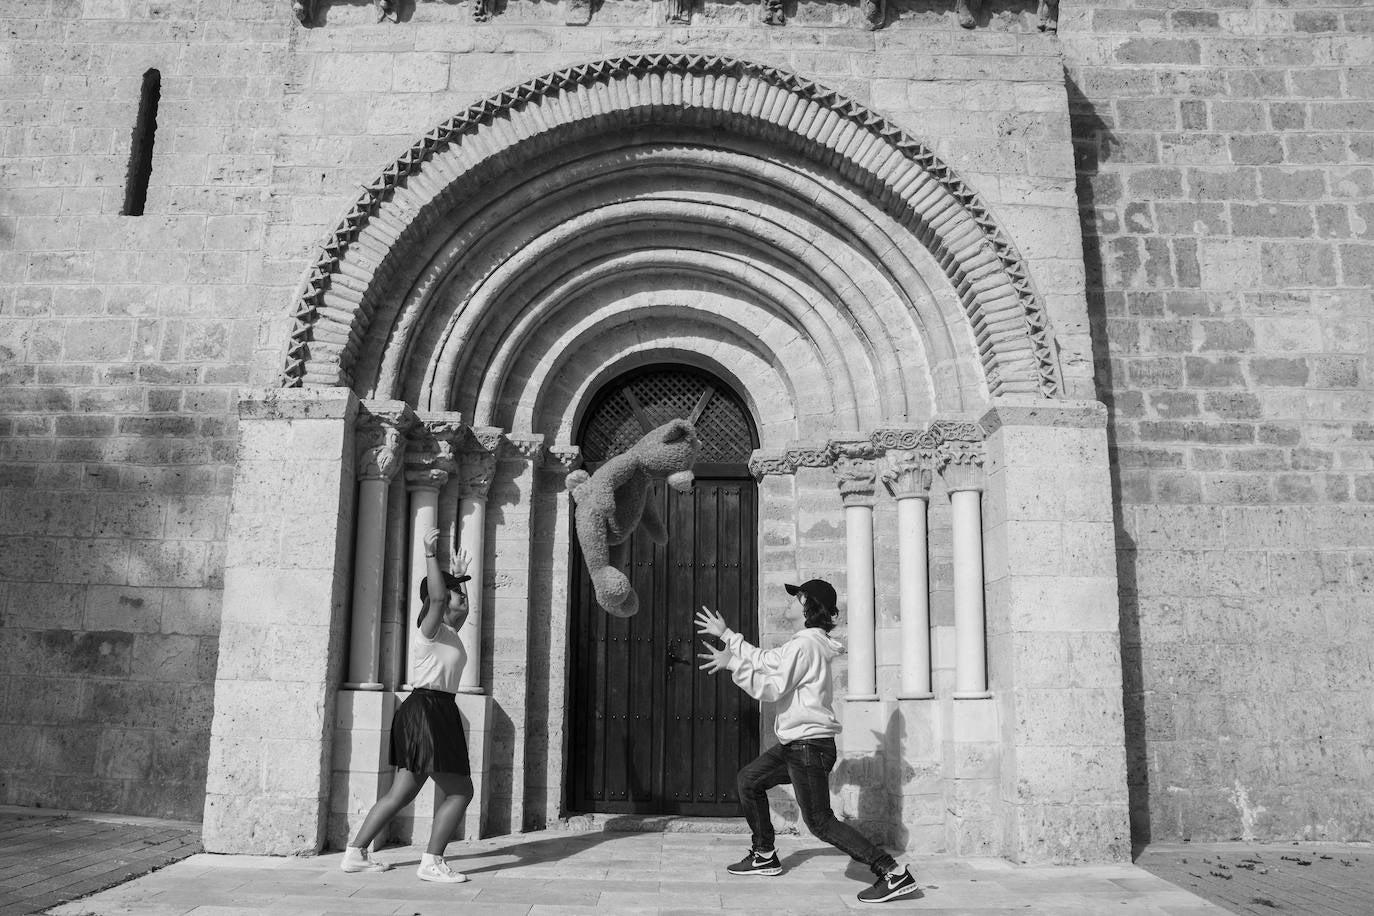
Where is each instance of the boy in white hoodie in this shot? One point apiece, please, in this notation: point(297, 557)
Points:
point(797, 676)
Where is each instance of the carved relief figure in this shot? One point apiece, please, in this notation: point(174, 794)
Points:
point(1049, 15)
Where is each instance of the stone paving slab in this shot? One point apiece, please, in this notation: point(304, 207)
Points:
point(1270, 878)
point(48, 857)
point(597, 874)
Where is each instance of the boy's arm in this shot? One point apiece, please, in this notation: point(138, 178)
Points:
point(764, 674)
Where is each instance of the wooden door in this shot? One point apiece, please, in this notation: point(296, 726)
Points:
point(650, 733)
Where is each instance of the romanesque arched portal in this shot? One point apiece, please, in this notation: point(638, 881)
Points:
point(883, 333)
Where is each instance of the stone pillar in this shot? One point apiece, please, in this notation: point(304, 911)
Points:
point(476, 468)
point(429, 462)
point(380, 446)
point(857, 476)
point(907, 478)
point(961, 465)
point(281, 647)
point(1052, 628)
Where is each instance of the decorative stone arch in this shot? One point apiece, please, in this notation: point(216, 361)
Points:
point(693, 210)
point(356, 269)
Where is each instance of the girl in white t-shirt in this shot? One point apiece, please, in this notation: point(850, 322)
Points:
point(427, 740)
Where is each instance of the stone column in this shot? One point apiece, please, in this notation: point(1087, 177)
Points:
point(856, 474)
point(961, 465)
point(1053, 639)
point(476, 468)
point(286, 584)
point(907, 478)
point(380, 446)
point(429, 462)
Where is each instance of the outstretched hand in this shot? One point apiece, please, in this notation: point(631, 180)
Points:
point(709, 623)
point(716, 659)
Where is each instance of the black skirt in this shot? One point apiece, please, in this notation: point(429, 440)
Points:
point(427, 734)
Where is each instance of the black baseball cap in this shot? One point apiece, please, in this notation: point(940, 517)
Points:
point(819, 589)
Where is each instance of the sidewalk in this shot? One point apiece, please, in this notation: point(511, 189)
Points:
point(1270, 878)
point(561, 874)
point(47, 856)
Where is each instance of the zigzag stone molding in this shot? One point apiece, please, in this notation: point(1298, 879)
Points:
point(1010, 325)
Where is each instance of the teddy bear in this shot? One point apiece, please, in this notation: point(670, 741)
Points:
point(610, 503)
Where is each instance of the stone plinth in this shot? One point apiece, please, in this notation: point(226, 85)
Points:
point(286, 588)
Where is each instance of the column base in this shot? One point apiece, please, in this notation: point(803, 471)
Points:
point(475, 691)
point(916, 696)
point(364, 685)
point(972, 694)
point(861, 698)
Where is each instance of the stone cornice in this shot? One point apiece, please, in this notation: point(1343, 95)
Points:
point(331, 314)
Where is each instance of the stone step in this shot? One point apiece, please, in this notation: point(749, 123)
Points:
point(651, 823)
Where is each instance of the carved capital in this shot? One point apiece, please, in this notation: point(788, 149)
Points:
point(563, 459)
point(481, 10)
point(381, 443)
point(386, 9)
point(960, 445)
point(480, 452)
point(475, 474)
point(857, 479)
point(908, 473)
point(773, 13)
point(432, 456)
point(304, 10)
point(525, 447)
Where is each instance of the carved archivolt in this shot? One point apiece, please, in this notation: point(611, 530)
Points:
point(1011, 330)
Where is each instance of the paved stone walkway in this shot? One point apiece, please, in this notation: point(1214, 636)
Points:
point(561, 874)
point(1270, 878)
point(48, 857)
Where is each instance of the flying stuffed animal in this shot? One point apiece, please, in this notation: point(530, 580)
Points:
point(611, 503)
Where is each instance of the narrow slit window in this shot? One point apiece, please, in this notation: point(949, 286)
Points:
point(141, 151)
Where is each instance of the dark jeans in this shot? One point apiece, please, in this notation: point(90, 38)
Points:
point(806, 764)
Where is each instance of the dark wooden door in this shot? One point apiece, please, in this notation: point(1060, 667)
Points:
point(650, 733)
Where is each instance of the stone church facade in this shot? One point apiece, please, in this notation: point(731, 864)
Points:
point(1049, 348)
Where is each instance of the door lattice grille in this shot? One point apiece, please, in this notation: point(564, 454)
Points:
point(648, 400)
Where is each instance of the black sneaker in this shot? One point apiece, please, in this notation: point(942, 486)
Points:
point(756, 864)
point(890, 887)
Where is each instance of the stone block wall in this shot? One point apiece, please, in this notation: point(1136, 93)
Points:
point(122, 341)
point(1226, 176)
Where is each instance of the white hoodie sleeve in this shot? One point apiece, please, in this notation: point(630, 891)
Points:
point(765, 674)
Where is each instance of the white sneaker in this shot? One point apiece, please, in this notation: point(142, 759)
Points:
point(439, 873)
point(356, 860)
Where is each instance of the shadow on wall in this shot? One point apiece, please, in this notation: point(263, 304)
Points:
point(1090, 133)
point(879, 778)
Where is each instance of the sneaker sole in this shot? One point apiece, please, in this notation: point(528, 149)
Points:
point(462, 880)
point(762, 872)
point(904, 892)
point(355, 869)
